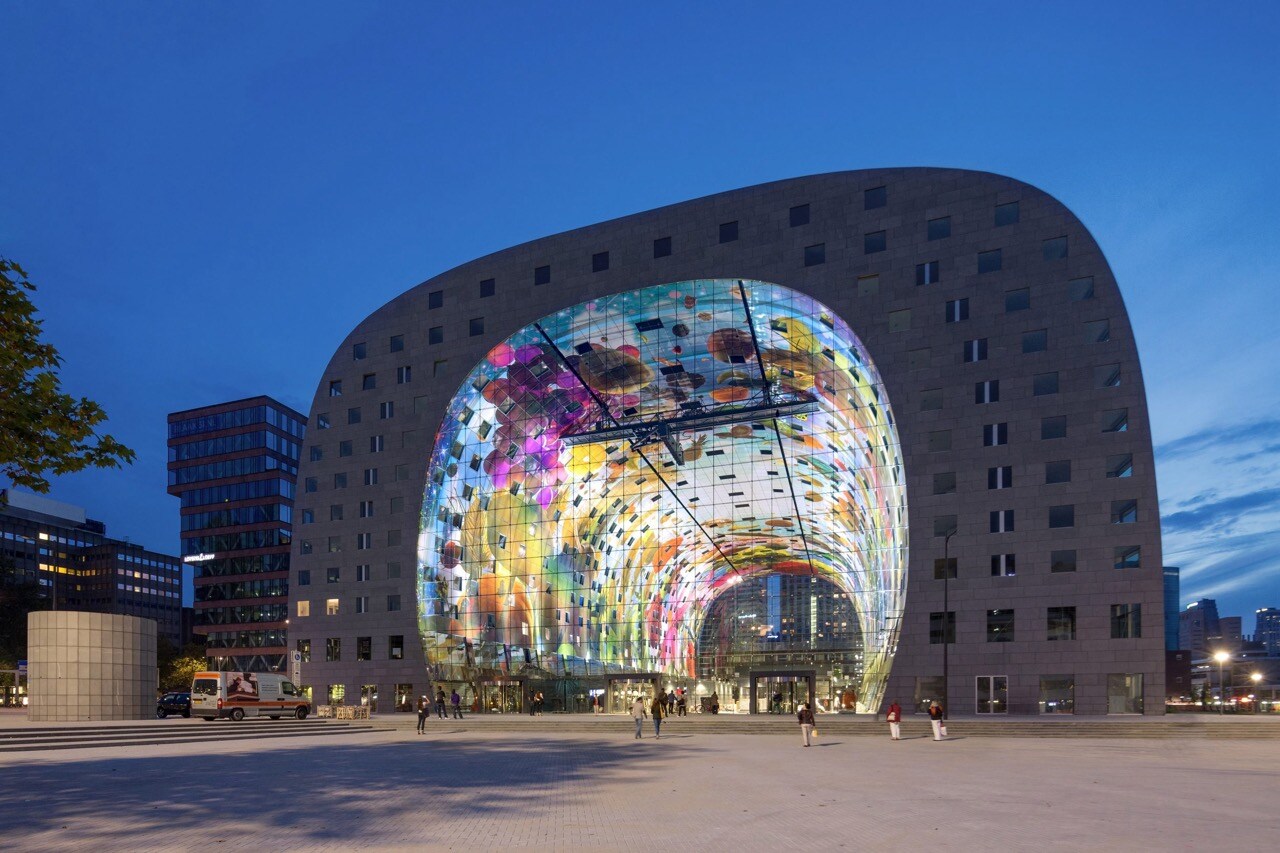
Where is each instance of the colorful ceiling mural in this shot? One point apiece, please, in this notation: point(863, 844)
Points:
point(604, 474)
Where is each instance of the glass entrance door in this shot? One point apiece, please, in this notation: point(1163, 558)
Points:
point(623, 691)
point(502, 697)
point(993, 694)
point(780, 693)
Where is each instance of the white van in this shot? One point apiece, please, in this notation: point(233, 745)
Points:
point(246, 694)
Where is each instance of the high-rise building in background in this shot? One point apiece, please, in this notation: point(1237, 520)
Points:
point(1230, 634)
point(1196, 624)
point(74, 564)
point(1172, 591)
point(1267, 629)
point(234, 467)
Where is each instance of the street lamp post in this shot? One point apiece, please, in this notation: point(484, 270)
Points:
point(1256, 678)
point(1222, 658)
point(946, 623)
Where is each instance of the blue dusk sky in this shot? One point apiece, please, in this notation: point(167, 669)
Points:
point(210, 195)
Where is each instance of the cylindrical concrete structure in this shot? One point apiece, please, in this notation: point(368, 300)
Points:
point(91, 666)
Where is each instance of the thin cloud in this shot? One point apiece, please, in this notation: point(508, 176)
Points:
point(1221, 514)
point(1216, 438)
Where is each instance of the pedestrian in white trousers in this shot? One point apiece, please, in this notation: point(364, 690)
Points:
point(893, 716)
point(935, 719)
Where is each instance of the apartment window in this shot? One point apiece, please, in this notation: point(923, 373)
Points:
point(358, 352)
point(1054, 249)
point(987, 391)
point(990, 261)
point(1061, 624)
point(662, 247)
point(369, 381)
point(304, 609)
point(945, 568)
point(1106, 376)
point(393, 537)
point(942, 628)
point(393, 602)
point(353, 415)
point(1057, 472)
point(435, 335)
point(403, 374)
point(395, 647)
point(918, 358)
point(401, 473)
point(316, 453)
point(476, 326)
point(944, 483)
point(1000, 478)
point(335, 512)
point(995, 435)
point(305, 546)
point(366, 509)
point(1003, 565)
point(873, 242)
point(1054, 426)
point(333, 649)
point(310, 484)
point(1080, 289)
point(1044, 384)
point(386, 410)
point(1120, 466)
point(304, 650)
point(1126, 621)
point(364, 648)
point(1097, 331)
point(308, 516)
point(1062, 561)
point(331, 607)
point(377, 443)
point(437, 367)
point(1017, 300)
point(340, 481)
point(393, 571)
point(371, 476)
point(1063, 515)
point(1002, 521)
point(541, 275)
point(900, 321)
point(397, 343)
point(1128, 557)
point(304, 577)
point(875, 197)
point(939, 440)
point(799, 215)
point(435, 299)
point(488, 287)
point(600, 262)
point(333, 574)
point(944, 525)
point(1115, 420)
point(957, 310)
point(999, 626)
point(322, 421)
point(975, 350)
point(362, 573)
point(364, 541)
point(362, 604)
point(868, 285)
point(1006, 214)
point(939, 228)
point(927, 273)
point(344, 448)
point(728, 231)
point(1036, 340)
point(1124, 512)
point(397, 503)
point(815, 255)
point(335, 387)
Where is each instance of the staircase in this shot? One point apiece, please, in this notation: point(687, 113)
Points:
point(23, 738)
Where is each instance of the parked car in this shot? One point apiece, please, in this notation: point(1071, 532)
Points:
point(173, 703)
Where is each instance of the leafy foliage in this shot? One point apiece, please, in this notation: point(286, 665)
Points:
point(42, 429)
point(179, 666)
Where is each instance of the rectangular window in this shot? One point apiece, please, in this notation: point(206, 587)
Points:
point(403, 374)
point(1057, 472)
point(331, 607)
point(975, 350)
point(1054, 249)
point(395, 647)
point(1126, 621)
point(1128, 557)
point(868, 285)
point(1057, 694)
point(304, 609)
point(1017, 300)
point(316, 453)
point(799, 215)
point(335, 512)
point(333, 574)
point(927, 273)
point(335, 388)
point(939, 228)
point(995, 435)
point(359, 352)
point(371, 476)
point(1062, 561)
point(435, 299)
point(362, 604)
point(815, 255)
point(945, 568)
point(900, 321)
point(397, 503)
point(875, 197)
point(999, 626)
point(728, 231)
point(1061, 623)
point(1002, 521)
point(364, 648)
point(542, 275)
point(393, 602)
point(944, 525)
point(1006, 214)
point(393, 571)
point(990, 261)
point(476, 326)
point(304, 577)
point(1097, 331)
point(364, 541)
point(944, 483)
point(1000, 478)
point(311, 484)
point(1106, 376)
point(1115, 420)
point(942, 628)
point(1063, 515)
point(1054, 426)
point(333, 649)
point(304, 650)
point(488, 287)
point(1037, 340)
point(339, 481)
point(1124, 512)
point(1119, 467)
point(1044, 384)
point(957, 310)
point(873, 242)
point(1124, 693)
point(362, 573)
point(369, 381)
point(662, 247)
point(939, 440)
point(308, 516)
point(437, 367)
point(386, 410)
point(353, 415)
point(377, 443)
point(987, 391)
point(600, 262)
point(397, 343)
point(918, 359)
point(1080, 289)
point(1003, 565)
point(435, 335)
point(931, 400)
point(393, 537)
point(322, 421)
point(344, 448)
point(366, 509)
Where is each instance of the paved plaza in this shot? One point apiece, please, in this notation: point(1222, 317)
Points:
point(461, 788)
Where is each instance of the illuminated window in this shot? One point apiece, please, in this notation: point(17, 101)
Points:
point(999, 626)
point(1061, 624)
point(331, 607)
point(304, 609)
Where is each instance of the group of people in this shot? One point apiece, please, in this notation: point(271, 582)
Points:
point(536, 703)
point(664, 704)
point(892, 715)
point(426, 704)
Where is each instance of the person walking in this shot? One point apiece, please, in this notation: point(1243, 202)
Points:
point(894, 717)
point(637, 714)
point(659, 710)
point(682, 706)
point(456, 701)
point(805, 716)
point(424, 709)
point(440, 702)
point(935, 719)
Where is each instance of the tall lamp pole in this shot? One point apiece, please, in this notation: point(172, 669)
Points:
point(946, 623)
point(1256, 678)
point(1222, 658)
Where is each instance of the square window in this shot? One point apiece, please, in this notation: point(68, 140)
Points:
point(369, 381)
point(359, 351)
point(868, 285)
point(945, 568)
point(311, 484)
point(927, 273)
point(353, 415)
point(815, 255)
point(662, 247)
point(600, 262)
point(1057, 472)
point(393, 537)
point(305, 546)
point(944, 483)
point(1080, 289)
point(476, 326)
point(1126, 621)
point(435, 335)
point(1115, 420)
point(1054, 249)
point(995, 435)
point(957, 310)
point(900, 321)
point(366, 509)
point(939, 228)
point(1006, 214)
point(488, 287)
point(364, 541)
point(437, 367)
point(1002, 521)
point(876, 241)
point(1097, 331)
point(1062, 561)
point(799, 215)
point(942, 628)
point(1106, 376)
point(339, 481)
point(1062, 516)
point(918, 359)
point(1124, 512)
point(931, 400)
point(1017, 300)
point(377, 443)
point(332, 575)
point(975, 350)
point(1000, 477)
point(335, 388)
point(393, 602)
point(396, 344)
point(1037, 340)
point(1061, 623)
point(728, 231)
point(542, 275)
point(990, 261)
point(1128, 557)
point(393, 571)
point(999, 626)
point(939, 440)
point(1004, 565)
point(1120, 466)
point(344, 448)
point(316, 453)
point(1043, 384)
point(397, 503)
point(1053, 427)
point(944, 525)
point(435, 299)
point(987, 391)
point(875, 197)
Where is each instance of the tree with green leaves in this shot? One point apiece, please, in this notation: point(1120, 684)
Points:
point(43, 431)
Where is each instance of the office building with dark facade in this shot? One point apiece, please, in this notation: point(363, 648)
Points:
point(234, 467)
point(793, 440)
point(75, 565)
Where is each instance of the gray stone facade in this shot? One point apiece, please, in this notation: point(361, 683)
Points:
point(91, 666)
point(1056, 338)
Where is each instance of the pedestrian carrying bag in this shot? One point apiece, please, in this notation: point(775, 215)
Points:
point(814, 732)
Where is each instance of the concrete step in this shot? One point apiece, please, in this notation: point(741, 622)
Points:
point(188, 735)
point(158, 727)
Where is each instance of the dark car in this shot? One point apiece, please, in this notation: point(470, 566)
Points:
point(173, 703)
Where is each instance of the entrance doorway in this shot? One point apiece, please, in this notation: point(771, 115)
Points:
point(623, 691)
point(993, 694)
point(502, 696)
point(781, 692)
